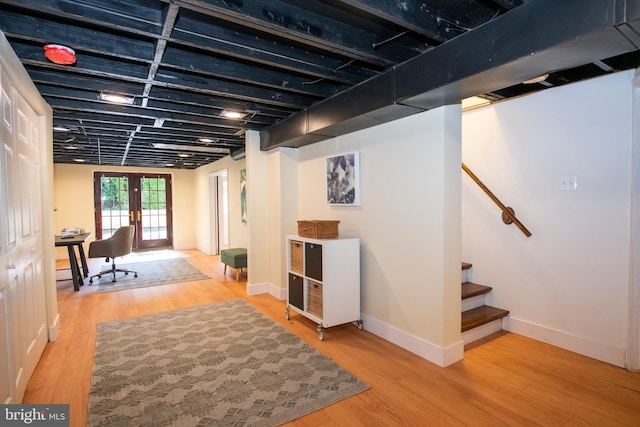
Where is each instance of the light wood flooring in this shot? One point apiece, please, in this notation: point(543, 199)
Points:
point(505, 379)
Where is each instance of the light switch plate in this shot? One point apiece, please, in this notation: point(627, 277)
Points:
point(568, 183)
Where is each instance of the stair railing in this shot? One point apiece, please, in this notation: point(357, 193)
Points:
point(508, 214)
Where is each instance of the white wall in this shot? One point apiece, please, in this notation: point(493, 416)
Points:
point(283, 210)
point(238, 230)
point(408, 224)
point(633, 349)
point(73, 200)
point(259, 214)
point(568, 284)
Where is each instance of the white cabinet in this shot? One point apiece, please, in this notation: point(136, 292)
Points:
point(324, 280)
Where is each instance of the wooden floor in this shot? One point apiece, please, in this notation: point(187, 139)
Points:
point(504, 380)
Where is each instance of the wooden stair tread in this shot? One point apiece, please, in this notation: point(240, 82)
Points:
point(480, 316)
point(466, 266)
point(470, 289)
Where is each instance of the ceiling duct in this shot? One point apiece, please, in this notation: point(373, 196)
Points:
point(239, 154)
point(505, 51)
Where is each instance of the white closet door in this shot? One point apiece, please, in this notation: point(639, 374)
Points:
point(7, 241)
point(22, 294)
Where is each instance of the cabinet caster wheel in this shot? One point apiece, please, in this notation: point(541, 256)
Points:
point(359, 324)
point(135, 275)
point(320, 332)
point(287, 314)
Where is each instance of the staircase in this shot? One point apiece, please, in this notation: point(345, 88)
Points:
point(478, 319)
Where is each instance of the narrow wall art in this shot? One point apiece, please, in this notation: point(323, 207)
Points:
point(343, 179)
point(243, 195)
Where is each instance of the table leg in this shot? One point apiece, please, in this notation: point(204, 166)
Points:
point(75, 269)
point(83, 260)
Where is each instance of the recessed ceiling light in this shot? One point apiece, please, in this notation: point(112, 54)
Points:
point(71, 147)
point(184, 155)
point(230, 114)
point(117, 99)
point(206, 140)
point(61, 129)
point(79, 160)
point(169, 165)
point(167, 76)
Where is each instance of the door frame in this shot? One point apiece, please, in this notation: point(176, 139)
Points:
point(218, 208)
point(150, 244)
point(135, 206)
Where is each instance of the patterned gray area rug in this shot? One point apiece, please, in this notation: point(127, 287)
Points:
point(223, 364)
point(150, 273)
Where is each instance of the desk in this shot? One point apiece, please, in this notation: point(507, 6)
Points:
point(71, 243)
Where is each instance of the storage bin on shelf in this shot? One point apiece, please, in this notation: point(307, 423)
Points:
point(315, 298)
point(296, 250)
point(318, 229)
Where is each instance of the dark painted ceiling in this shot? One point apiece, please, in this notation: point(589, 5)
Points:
point(184, 62)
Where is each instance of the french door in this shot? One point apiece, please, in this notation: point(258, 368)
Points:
point(143, 200)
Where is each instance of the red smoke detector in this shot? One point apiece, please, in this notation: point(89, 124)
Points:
point(60, 54)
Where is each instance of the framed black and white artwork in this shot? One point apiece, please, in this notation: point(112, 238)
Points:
point(343, 179)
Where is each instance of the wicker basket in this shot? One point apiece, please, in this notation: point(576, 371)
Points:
point(318, 229)
point(315, 298)
point(297, 256)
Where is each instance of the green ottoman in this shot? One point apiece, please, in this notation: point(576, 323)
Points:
point(234, 258)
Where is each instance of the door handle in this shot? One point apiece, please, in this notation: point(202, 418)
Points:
point(139, 216)
point(131, 216)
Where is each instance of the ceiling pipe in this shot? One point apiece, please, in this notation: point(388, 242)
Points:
point(238, 154)
point(535, 38)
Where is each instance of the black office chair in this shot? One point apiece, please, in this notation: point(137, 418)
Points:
point(119, 244)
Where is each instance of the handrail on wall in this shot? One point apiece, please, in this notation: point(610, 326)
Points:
point(508, 214)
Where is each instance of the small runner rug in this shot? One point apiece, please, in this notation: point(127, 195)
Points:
point(222, 364)
point(150, 273)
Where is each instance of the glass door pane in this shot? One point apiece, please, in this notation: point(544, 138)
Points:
point(114, 205)
point(154, 208)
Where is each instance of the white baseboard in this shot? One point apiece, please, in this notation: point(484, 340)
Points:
point(186, 246)
point(266, 288)
point(441, 356)
point(53, 328)
point(581, 345)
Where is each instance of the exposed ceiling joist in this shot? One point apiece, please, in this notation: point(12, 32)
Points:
point(298, 70)
point(468, 66)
